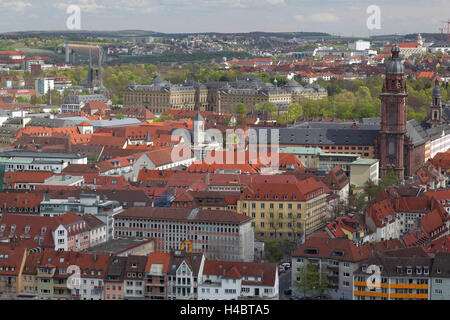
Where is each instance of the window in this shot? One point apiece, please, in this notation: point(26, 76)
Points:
point(391, 148)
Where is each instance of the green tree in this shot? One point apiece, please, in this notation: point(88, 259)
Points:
point(273, 251)
point(295, 111)
point(163, 118)
point(312, 280)
point(241, 109)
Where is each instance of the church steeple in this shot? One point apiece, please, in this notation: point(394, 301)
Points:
point(393, 117)
point(436, 105)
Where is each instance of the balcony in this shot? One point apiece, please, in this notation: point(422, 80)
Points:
point(409, 296)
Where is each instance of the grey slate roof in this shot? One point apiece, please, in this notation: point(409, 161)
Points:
point(107, 123)
point(436, 132)
point(441, 265)
point(329, 133)
point(32, 154)
point(322, 136)
point(416, 133)
point(85, 98)
point(51, 123)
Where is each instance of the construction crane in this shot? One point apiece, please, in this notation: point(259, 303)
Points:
point(442, 33)
point(448, 28)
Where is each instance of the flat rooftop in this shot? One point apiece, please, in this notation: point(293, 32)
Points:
point(365, 162)
point(117, 245)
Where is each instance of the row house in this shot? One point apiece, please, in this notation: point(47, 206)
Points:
point(11, 263)
point(134, 284)
point(53, 275)
point(156, 276)
point(115, 275)
point(337, 258)
point(229, 280)
point(72, 233)
point(98, 232)
point(220, 234)
point(67, 232)
point(381, 219)
point(183, 275)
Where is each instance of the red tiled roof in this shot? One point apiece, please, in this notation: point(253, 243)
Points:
point(108, 141)
point(84, 124)
point(36, 226)
point(20, 200)
point(11, 259)
point(158, 258)
point(181, 214)
point(154, 175)
point(442, 160)
point(380, 211)
point(432, 221)
point(300, 191)
point(231, 269)
point(324, 247)
point(27, 176)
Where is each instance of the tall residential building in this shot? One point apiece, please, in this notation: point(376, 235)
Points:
point(337, 259)
point(401, 278)
point(44, 85)
point(440, 277)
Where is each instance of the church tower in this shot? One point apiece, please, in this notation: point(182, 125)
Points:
point(393, 117)
point(436, 106)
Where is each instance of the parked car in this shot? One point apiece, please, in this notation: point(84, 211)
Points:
point(286, 265)
point(288, 292)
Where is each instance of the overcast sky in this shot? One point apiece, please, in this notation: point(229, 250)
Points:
point(343, 17)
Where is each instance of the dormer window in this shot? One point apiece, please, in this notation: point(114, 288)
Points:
point(337, 253)
point(408, 270)
point(426, 271)
point(419, 270)
point(311, 251)
point(399, 269)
